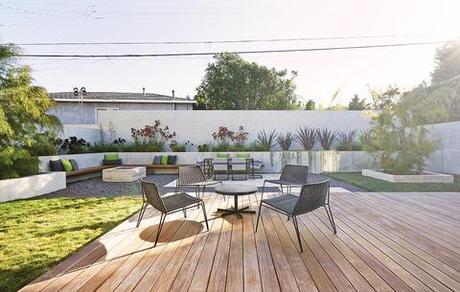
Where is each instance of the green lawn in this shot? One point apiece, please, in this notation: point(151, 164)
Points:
point(36, 234)
point(376, 185)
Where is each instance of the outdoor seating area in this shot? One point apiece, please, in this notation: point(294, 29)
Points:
point(392, 241)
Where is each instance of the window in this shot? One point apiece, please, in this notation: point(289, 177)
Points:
point(102, 109)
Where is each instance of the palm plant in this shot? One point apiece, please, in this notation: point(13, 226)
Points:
point(326, 138)
point(346, 138)
point(266, 140)
point(306, 137)
point(285, 141)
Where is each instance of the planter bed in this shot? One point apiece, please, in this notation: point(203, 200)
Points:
point(426, 177)
point(31, 186)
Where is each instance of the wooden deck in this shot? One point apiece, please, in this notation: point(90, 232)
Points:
point(385, 242)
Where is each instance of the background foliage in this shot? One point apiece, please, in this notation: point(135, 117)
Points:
point(23, 116)
point(231, 83)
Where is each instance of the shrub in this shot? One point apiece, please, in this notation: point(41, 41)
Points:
point(306, 137)
point(265, 141)
point(398, 137)
point(72, 145)
point(285, 141)
point(178, 147)
point(152, 134)
point(203, 148)
point(220, 147)
point(326, 138)
point(346, 140)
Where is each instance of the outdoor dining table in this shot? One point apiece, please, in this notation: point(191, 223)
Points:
point(235, 190)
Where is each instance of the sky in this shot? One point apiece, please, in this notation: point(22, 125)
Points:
point(320, 73)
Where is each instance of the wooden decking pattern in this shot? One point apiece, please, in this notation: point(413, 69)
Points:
point(385, 242)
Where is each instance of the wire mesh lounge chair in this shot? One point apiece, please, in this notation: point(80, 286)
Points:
point(292, 175)
point(312, 197)
point(167, 205)
point(193, 176)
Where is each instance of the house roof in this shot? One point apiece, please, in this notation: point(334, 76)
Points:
point(125, 97)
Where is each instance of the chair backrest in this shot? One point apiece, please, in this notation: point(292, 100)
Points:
point(295, 173)
point(189, 175)
point(312, 196)
point(220, 164)
point(152, 195)
point(239, 164)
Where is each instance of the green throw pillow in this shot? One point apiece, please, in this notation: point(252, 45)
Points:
point(67, 165)
point(222, 155)
point(111, 156)
point(164, 159)
point(243, 155)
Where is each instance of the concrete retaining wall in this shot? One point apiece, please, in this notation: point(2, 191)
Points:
point(31, 186)
point(319, 161)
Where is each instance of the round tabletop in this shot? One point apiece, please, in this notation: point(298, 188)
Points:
point(235, 190)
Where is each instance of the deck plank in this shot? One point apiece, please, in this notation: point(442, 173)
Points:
point(385, 242)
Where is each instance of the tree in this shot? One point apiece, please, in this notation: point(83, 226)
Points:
point(447, 61)
point(310, 105)
point(357, 104)
point(398, 136)
point(445, 79)
point(23, 112)
point(231, 83)
point(383, 99)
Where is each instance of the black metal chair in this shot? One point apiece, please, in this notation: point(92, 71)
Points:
point(167, 205)
point(291, 175)
point(193, 176)
point(312, 197)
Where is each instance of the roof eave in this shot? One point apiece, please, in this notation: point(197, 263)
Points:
point(123, 100)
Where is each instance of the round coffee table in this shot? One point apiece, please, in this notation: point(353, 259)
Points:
point(235, 191)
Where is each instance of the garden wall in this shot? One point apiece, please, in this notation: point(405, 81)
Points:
point(31, 186)
point(447, 158)
point(197, 126)
point(319, 161)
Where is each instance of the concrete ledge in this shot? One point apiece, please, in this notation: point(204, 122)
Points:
point(31, 186)
point(426, 177)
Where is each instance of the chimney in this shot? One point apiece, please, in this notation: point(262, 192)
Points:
point(143, 91)
point(173, 96)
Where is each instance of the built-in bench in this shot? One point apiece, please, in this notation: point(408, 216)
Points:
point(95, 171)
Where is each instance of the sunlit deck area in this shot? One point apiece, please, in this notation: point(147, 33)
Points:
point(384, 242)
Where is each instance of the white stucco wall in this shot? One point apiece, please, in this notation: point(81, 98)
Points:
point(31, 186)
point(447, 158)
point(197, 126)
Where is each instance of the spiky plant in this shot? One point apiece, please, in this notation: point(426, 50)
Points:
point(266, 140)
point(306, 137)
point(285, 141)
point(326, 138)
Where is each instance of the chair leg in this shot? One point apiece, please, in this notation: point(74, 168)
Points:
point(141, 213)
point(205, 216)
point(160, 226)
point(296, 226)
point(263, 190)
point(330, 217)
point(185, 212)
point(258, 215)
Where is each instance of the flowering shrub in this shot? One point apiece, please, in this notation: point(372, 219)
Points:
point(152, 134)
point(240, 136)
point(223, 134)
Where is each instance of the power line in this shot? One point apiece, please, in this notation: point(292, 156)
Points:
point(153, 55)
point(215, 41)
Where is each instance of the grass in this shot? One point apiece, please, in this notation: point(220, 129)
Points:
point(375, 185)
point(36, 234)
